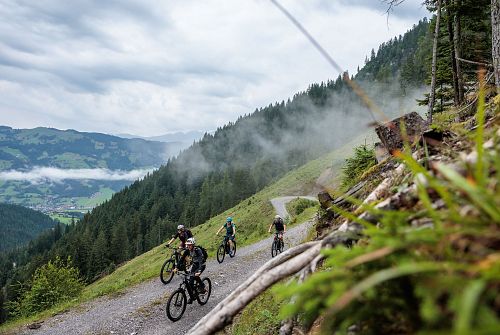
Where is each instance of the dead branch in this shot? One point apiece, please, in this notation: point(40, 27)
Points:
point(474, 63)
point(265, 277)
point(306, 255)
point(287, 325)
point(384, 186)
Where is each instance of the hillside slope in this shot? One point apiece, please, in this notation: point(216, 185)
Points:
point(19, 225)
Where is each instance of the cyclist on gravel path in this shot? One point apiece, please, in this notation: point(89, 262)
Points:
point(230, 230)
point(183, 234)
point(279, 225)
point(198, 266)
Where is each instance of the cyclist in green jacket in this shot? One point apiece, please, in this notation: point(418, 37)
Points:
point(230, 230)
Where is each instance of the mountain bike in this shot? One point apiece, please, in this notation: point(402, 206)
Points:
point(176, 305)
point(226, 248)
point(167, 269)
point(278, 244)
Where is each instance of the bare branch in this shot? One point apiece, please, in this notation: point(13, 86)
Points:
point(266, 276)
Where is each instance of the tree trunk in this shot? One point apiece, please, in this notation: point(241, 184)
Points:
point(449, 18)
point(495, 40)
point(432, 94)
point(457, 32)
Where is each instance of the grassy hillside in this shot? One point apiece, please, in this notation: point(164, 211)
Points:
point(252, 217)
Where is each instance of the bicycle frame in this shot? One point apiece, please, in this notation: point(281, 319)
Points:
point(186, 286)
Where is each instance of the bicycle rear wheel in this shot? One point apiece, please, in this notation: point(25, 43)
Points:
point(176, 305)
point(167, 271)
point(203, 297)
point(221, 253)
point(232, 249)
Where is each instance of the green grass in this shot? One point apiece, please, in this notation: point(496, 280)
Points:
point(104, 194)
point(71, 160)
point(61, 218)
point(260, 317)
point(252, 217)
point(15, 152)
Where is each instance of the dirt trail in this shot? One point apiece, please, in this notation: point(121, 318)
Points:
point(141, 309)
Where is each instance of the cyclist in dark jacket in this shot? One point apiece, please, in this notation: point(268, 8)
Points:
point(279, 225)
point(198, 266)
point(183, 234)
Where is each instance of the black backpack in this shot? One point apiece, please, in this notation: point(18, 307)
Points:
point(204, 252)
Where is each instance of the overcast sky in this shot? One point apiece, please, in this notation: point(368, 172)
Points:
point(153, 67)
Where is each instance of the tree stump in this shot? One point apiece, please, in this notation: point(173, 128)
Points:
point(390, 133)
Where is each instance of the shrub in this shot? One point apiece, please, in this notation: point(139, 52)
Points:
point(55, 282)
point(355, 166)
point(303, 204)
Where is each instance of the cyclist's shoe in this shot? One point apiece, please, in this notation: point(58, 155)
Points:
point(190, 301)
point(202, 290)
point(174, 270)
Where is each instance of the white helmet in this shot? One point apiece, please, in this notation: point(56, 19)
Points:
point(179, 227)
point(190, 240)
point(277, 216)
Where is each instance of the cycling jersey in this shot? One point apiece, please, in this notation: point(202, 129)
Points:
point(278, 224)
point(229, 229)
point(183, 236)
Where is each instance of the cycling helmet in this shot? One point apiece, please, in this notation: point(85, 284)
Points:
point(179, 227)
point(277, 216)
point(229, 219)
point(190, 240)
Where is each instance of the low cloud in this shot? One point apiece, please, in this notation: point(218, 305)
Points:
point(41, 174)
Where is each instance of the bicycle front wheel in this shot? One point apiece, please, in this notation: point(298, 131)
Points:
point(203, 297)
point(176, 305)
point(167, 271)
point(232, 249)
point(274, 249)
point(221, 253)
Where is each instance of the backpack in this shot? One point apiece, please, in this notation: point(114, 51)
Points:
point(204, 252)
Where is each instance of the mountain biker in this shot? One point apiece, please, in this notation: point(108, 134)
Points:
point(183, 234)
point(279, 225)
point(230, 230)
point(198, 266)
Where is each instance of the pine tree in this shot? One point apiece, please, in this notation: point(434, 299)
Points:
point(495, 44)
point(434, 64)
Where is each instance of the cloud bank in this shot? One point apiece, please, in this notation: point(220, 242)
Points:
point(44, 174)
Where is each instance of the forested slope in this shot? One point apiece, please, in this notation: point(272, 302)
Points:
point(19, 225)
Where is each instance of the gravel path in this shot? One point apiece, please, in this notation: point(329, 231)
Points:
point(280, 203)
point(141, 309)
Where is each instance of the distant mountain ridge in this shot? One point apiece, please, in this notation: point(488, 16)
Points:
point(26, 148)
point(185, 137)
